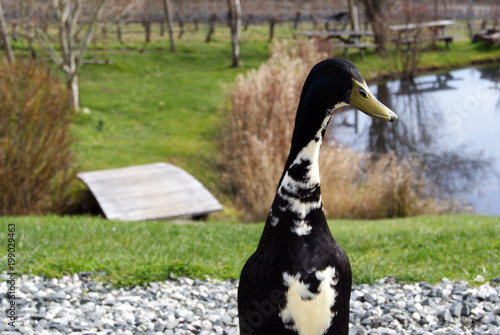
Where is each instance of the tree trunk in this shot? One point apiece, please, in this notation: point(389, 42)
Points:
point(119, 31)
point(181, 25)
point(296, 21)
point(14, 33)
point(314, 19)
point(248, 22)
point(162, 28)
point(74, 91)
point(374, 13)
point(5, 37)
point(379, 30)
point(211, 27)
point(29, 37)
point(147, 29)
point(272, 23)
point(353, 12)
point(352, 15)
point(181, 17)
point(235, 24)
point(168, 14)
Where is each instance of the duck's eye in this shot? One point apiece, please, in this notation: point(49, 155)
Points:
point(363, 93)
point(330, 70)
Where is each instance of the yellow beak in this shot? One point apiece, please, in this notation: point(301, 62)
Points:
point(362, 99)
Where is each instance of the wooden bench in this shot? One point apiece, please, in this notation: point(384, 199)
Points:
point(361, 46)
point(446, 38)
point(429, 31)
point(349, 39)
point(489, 36)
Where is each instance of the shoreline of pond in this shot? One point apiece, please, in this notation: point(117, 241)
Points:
point(431, 69)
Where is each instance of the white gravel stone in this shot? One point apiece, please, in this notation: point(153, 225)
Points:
point(188, 306)
point(205, 324)
point(416, 316)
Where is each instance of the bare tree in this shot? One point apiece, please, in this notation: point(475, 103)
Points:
point(352, 15)
point(235, 25)
point(211, 27)
point(374, 10)
point(117, 11)
point(180, 17)
point(147, 20)
point(30, 12)
point(170, 23)
point(74, 38)
point(273, 20)
point(5, 37)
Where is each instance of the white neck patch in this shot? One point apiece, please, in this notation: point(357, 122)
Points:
point(310, 153)
point(307, 312)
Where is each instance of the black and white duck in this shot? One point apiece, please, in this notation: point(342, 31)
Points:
point(299, 279)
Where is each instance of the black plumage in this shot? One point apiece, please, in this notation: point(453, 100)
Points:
point(298, 281)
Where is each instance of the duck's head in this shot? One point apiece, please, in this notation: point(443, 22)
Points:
point(336, 82)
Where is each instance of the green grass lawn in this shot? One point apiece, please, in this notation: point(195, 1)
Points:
point(130, 253)
point(158, 106)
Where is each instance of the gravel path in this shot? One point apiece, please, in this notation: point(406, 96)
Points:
point(75, 305)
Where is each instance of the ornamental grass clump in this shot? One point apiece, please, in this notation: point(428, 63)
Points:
point(256, 140)
point(362, 185)
point(35, 157)
point(256, 137)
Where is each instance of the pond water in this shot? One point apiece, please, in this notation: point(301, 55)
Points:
point(450, 121)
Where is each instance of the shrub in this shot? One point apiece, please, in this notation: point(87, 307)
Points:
point(35, 157)
point(256, 140)
point(409, 43)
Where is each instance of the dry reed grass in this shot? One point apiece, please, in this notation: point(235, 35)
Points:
point(256, 139)
point(357, 185)
point(35, 157)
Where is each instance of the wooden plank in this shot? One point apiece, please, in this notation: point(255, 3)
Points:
point(151, 191)
point(340, 33)
point(446, 38)
point(355, 45)
point(412, 26)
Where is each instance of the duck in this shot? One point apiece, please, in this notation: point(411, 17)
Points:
point(298, 281)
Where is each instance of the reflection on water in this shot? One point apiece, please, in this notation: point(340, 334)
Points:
point(450, 121)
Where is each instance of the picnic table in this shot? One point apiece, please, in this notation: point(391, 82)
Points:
point(437, 30)
point(489, 36)
point(349, 38)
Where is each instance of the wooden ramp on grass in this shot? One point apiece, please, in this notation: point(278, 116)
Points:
point(146, 192)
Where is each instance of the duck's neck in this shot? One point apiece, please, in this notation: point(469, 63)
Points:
point(297, 205)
